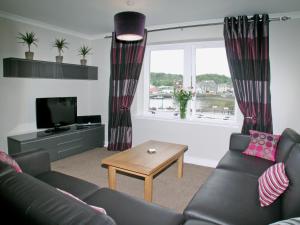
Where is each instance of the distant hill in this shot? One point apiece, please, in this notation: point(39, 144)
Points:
point(164, 79)
point(167, 79)
point(218, 78)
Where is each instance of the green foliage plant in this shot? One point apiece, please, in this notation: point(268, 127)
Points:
point(60, 44)
point(28, 38)
point(84, 50)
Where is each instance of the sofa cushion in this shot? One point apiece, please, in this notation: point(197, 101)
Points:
point(272, 183)
point(291, 197)
point(262, 145)
point(230, 197)
point(98, 209)
point(73, 185)
point(33, 162)
point(287, 140)
point(127, 210)
point(198, 222)
point(235, 160)
point(36, 203)
point(239, 142)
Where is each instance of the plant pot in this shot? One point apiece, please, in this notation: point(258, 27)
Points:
point(83, 62)
point(59, 59)
point(29, 55)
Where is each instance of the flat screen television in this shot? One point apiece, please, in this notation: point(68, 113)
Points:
point(56, 113)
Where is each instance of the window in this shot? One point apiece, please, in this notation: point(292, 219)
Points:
point(201, 66)
point(164, 75)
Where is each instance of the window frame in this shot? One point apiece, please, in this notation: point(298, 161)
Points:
point(189, 77)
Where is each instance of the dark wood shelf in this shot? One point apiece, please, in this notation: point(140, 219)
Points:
point(24, 68)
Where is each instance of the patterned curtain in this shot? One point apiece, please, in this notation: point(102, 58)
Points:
point(126, 64)
point(247, 47)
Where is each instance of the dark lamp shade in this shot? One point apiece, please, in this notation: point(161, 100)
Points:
point(129, 26)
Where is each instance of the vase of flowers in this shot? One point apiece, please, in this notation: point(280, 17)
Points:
point(182, 96)
point(28, 38)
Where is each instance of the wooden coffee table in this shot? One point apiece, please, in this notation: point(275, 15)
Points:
point(138, 161)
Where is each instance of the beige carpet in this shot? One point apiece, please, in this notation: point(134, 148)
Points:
point(168, 190)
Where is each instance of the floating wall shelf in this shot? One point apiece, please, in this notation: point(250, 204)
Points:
point(24, 68)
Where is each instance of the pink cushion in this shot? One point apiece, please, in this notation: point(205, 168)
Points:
point(10, 161)
point(96, 208)
point(262, 145)
point(272, 183)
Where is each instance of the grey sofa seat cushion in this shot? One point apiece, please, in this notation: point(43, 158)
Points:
point(127, 210)
point(73, 185)
point(237, 161)
point(287, 140)
point(33, 202)
point(231, 198)
point(291, 197)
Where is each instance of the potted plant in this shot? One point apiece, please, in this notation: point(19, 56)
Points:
point(182, 96)
point(28, 38)
point(83, 51)
point(60, 44)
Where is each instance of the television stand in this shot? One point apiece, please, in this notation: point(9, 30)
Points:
point(57, 129)
point(59, 144)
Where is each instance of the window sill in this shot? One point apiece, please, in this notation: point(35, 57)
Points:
point(192, 121)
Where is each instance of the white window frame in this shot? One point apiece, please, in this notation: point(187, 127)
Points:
point(189, 76)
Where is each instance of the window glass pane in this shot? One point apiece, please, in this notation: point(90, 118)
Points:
point(166, 71)
point(214, 91)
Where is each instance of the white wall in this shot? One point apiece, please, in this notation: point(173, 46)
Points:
point(208, 143)
point(285, 74)
point(17, 95)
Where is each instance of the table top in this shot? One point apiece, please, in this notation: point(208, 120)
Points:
point(138, 160)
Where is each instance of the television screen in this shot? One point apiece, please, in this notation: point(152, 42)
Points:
point(55, 112)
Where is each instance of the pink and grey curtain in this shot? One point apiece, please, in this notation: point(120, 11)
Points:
point(247, 47)
point(126, 64)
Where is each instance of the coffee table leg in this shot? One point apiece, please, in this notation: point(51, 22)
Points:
point(180, 166)
point(112, 177)
point(148, 188)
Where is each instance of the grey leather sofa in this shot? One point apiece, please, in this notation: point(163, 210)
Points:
point(33, 199)
point(230, 195)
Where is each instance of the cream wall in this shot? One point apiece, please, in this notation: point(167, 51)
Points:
point(17, 95)
point(208, 143)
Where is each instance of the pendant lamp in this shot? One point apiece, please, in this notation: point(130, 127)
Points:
point(129, 26)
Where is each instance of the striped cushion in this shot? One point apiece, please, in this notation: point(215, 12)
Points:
point(292, 221)
point(272, 183)
point(10, 161)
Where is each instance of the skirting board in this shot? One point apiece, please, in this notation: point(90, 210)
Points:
point(201, 161)
point(192, 160)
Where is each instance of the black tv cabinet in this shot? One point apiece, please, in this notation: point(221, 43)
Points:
point(59, 144)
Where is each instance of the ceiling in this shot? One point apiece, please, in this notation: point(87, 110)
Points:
point(92, 17)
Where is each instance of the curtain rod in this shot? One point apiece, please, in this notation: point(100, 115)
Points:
point(282, 18)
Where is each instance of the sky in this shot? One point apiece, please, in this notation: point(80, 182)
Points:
point(208, 60)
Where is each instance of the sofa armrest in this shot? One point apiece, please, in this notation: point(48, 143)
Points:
point(239, 142)
point(127, 210)
point(33, 163)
